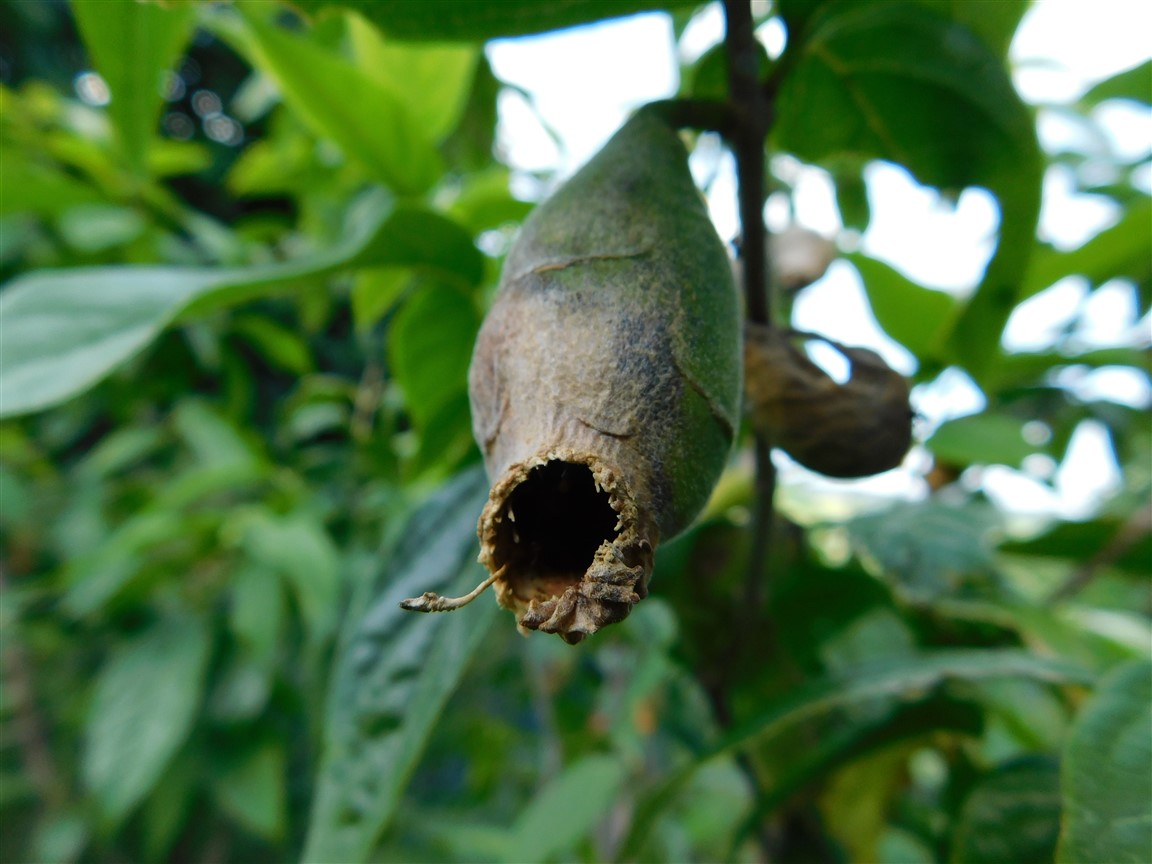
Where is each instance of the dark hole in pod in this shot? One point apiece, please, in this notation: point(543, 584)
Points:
point(553, 524)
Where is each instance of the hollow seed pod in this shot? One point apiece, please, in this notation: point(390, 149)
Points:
point(860, 427)
point(605, 385)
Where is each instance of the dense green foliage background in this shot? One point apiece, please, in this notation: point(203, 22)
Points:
point(234, 342)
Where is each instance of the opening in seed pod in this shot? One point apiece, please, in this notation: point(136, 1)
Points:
point(553, 523)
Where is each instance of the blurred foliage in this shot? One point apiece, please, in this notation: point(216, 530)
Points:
point(241, 253)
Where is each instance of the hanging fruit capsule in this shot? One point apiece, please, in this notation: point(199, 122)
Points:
point(860, 427)
point(605, 385)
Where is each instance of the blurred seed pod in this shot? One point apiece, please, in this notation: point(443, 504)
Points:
point(854, 429)
point(605, 385)
point(799, 257)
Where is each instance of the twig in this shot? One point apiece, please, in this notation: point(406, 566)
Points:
point(751, 119)
point(1134, 529)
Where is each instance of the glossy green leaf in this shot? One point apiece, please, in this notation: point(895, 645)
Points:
point(278, 345)
point(855, 800)
point(430, 349)
point(1020, 369)
point(1012, 814)
point(565, 810)
point(375, 292)
point(467, 20)
point(981, 439)
point(213, 440)
point(256, 612)
point(65, 330)
point(97, 227)
point(342, 102)
point(485, 202)
point(1107, 773)
point(433, 81)
point(252, 790)
point(1084, 541)
point(927, 548)
point(901, 679)
point(1134, 84)
point(995, 23)
point(32, 186)
point(297, 547)
point(852, 195)
point(132, 45)
point(898, 81)
point(395, 671)
point(146, 699)
point(913, 315)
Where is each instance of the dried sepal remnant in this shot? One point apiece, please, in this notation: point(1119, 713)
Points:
point(605, 385)
point(571, 550)
point(854, 429)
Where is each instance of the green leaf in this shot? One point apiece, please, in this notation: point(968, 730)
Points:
point(851, 194)
point(1134, 84)
point(431, 347)
point(898, 81)
point(67, 329)
point(1107, 773)
point(146, 698)
point(375, 292)
point(565, 810)
point(902, 679)
point(995, 23)
point(279, 345)
point(1088, 541)
point(256, 613)
point(297, 547)
point(213, 440)
point(928, 548)
point(1024, 369)
point(341, 102)
point(467, 20)
point(855, 801)
point(394, 673)
point(132, 45)
point(97, 227)
point(1119, 252)
point(1012, 814)
point(36, 187)
point(433, 81)
point(981, 439)
point(252, 790)
point(913, 315)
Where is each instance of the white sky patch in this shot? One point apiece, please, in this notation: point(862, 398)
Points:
point(930, 240)
point(586, 81)
point(1064, 46)
point(1067, 218)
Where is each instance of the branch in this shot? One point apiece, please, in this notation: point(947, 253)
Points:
point(1134, 529)
point(751, 120)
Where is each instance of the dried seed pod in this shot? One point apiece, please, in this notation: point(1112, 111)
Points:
point(605, 385)
point(799, 257)
point(854, 429)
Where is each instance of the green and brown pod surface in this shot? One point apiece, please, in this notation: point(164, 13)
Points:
point(605, 384)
